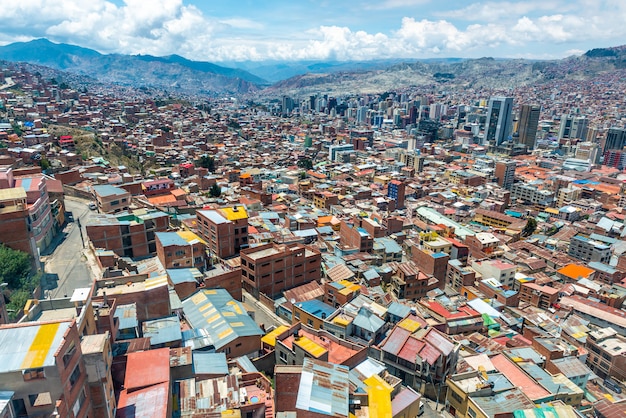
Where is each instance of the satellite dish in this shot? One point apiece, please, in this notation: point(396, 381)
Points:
point(292, 300)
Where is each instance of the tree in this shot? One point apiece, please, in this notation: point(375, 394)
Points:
point(207, 162)
point(14, 267)
point(215, 190)
point(305, 163)
point(530, 227)
point(44, 163)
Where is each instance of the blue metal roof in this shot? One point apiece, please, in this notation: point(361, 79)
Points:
point(223, 318)
point(108, 190)
point(316, 308)
point(127, 315)
point(171, 238)
point(162, 330)
point(177, 276)
point(209, 363)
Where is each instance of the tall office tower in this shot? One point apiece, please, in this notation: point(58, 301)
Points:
point(528, 122)
point(499, 120)
point(615, 139)
point(573, 127)
point(505, 173)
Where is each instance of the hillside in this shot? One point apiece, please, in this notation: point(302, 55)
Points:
point(173, 73)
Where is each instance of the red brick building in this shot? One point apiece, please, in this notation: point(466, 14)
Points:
point(225, 230)
point(273, 268)
point(127, 234)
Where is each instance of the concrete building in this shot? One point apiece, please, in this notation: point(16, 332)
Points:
point(225, 230)
point(607, 353)
point(528, 123)
point(272, 268)
point(40, 218)
point(97, 355)
point(111, 199)
point(505, 173)
point(42, 364)
point(585, 249)
point(532, 194)
point(129, 234)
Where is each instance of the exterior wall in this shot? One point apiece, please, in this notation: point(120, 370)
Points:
point(229, 280)
point(100, 383)
point(427, 262)
point(242, 346)
point(136, 240)
point(351, 237)
point(287, 383)
point(175, 256)
point(114, 203)
point(225, 239)
point(288, 267)
point(14, 229)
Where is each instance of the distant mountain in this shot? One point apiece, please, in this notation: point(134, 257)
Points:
point(173, 73)
point(455, 73)
point(276, 71)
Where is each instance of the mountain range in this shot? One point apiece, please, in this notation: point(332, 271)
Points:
point(177, 74)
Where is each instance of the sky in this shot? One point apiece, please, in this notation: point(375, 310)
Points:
point(261, 30)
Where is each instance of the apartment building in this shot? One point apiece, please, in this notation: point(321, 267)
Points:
point(586, 249)
point(14, 221)
point(532, 194)
point(40, 218)
point(97, 355)
point(128, 234)
point(225, 230)
point(111, 199)
point(42, 363)
point(458, 275)
point(537, 295)
point(607, 353)
point(273, 268)
point(180, 249)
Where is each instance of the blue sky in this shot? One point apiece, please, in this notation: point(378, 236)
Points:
point(260, 30)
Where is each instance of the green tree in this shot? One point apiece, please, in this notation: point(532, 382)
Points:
point(215, 190)
point(207, 162)
point(14, 267)
point(305, 163)
point(44, 163)
point(530, 227)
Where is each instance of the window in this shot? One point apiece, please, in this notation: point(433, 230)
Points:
point(309, 322)
point(180, 252)
point(283, 356)
point(471, 412)
point(67, 357)
point(79, 403)
point(75, 376)
point(40, 399)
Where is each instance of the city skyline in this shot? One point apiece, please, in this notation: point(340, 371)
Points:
point(321, 30)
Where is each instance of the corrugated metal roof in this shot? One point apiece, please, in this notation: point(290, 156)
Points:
point(30, 347)
point(324, 388)
point(223, 318)
point(127, 316)
point(209, 363)
point(162, 330)
point(146, 368)
point(149, 402)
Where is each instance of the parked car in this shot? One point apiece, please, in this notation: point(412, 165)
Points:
point(92, 206)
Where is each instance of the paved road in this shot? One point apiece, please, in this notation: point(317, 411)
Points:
point(66, 266)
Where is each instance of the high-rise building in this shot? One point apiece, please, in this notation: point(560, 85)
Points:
point(499, 120)
point(528, 122)
point(573, 127)
point(615, 139)
point(505, 173)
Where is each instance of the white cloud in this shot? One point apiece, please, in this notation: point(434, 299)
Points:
point(163, 27)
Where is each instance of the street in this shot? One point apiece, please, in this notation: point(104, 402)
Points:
point(66, 266)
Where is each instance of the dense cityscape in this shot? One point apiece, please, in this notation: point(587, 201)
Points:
point(424, 251)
